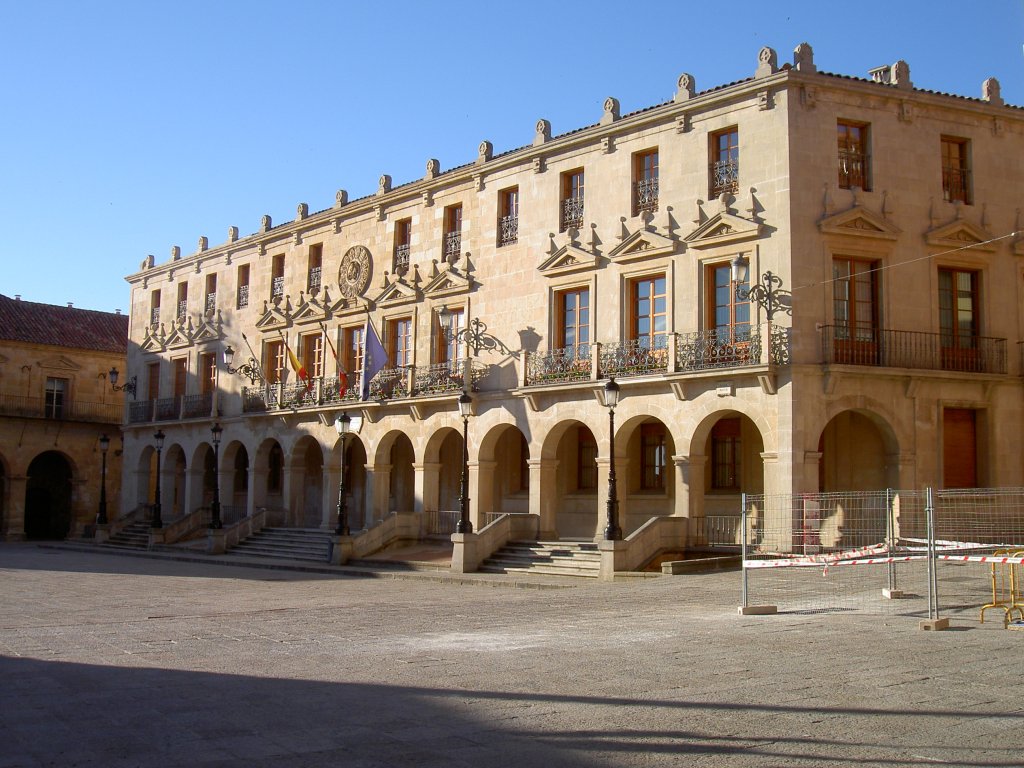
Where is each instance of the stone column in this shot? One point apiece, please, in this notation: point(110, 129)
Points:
point(378, 489)
point(14, 520)
point(544, 496)
point(475, 515)
point(426, 486)
point(484, 492)
point(689, 500)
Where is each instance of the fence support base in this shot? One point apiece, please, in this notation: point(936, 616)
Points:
point(892, 594)
point(757, 610)
point(933, 624)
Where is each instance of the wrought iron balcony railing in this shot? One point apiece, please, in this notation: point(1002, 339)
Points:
point(508, 230)
point(645, 196)
point(853, 169)
point(401, 264)
point(636, 357)
point(572, 213)
point(842, 345)
point(211, 303)
point(313, 283)
point(560, 365)
point(452, 245)
point(725, 177)
point(168, 408)
point(154, 316)
point(182, 309)
point(710, 350)
point(243, 296)
point(956, 185)
point(277, 287)
point(439, 378)
point(68, 410)
point(196, 406)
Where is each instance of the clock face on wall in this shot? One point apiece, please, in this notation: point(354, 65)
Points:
point(354, 275)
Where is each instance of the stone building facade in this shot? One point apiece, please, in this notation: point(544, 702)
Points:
point(56, 403)
point(874, 341)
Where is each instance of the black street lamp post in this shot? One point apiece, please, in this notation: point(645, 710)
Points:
point(101, 518)
point(612, 530)
point(215, 522)
point(343, 423)
point(465, 409)
point(767, 294)
point(159, 437)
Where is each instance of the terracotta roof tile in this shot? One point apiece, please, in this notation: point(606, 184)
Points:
point(32, 323)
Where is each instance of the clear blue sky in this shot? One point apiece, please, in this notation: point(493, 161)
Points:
point(129, 127)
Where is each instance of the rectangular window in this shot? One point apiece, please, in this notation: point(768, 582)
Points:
point(56, 391)
point(508, 216)
point(958, 319)
point(586, 460)
point(273, 361)
point(645, 182)
point(277, 277)
point(854, 159)
point(403, 244)
point(650, 312)
point(452, 232)
point(572, 200)
point(182, 301)
point(447, 350)
point(180, 367)
point(316, 257)
point(724, 171)
point(207, 372)
point(153, 381)
point(154, 308)
point(956, 175)
point(573, 330)
point(312, 347)
point(725, 455)
point(211, 293)
point(400, 342)
point(728, 316)
point(652, 457)
point(352, 352)
point(855, 311)
point(243, 286)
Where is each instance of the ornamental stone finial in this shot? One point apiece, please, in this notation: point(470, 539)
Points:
point(175, 252)
point(301, 211)
point(900, 75)
point(543, 132)
point(611, 110)
point(803, 58)
point(265, 223)
point(204, 243)
point(767, 62)
point(990, 92)
point(433, 169)
point(383, 184)
point(686, 86)
point(484, 152)
point(341, 197)
point(232, 234)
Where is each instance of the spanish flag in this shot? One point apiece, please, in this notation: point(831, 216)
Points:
point(342, 374)
point(299, 368)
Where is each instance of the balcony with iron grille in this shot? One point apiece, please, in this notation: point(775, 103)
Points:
point(572, 213)
point(401, 263)
point(277, 287)
point(956, 183)
point(725, 177)
point(313, 283)
point(197, 406)
point(452, 245)
point(508, 230)
point(243, 296)
point(62, 410)
point(853, 169)
point(211, 303)
point(842, 345)
point(645, 196)
point(182, 310)
point(154, 317)
point(671, 354)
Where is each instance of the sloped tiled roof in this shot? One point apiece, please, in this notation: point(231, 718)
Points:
point(32, 323)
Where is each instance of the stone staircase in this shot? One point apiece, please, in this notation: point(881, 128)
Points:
point(550, 558)
point(133, 536)
point(312, 544)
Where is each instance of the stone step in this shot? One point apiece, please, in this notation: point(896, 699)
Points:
point(487, 567)
point(306, 544)
point(549, 558)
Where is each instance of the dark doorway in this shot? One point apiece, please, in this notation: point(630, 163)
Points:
point(48, 497)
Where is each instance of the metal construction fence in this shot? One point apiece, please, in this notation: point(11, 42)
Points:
point(918, 553)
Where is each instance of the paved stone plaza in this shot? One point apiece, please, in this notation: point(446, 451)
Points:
point(124, 661)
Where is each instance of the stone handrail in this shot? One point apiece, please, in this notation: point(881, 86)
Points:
point(222, 539)
point(471, 549)
point(398, 526)
point(657, 535)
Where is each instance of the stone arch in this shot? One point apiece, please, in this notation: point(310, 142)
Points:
point(305, 470)
point(570, 480)
point(268, 482)
point(48, 496)
point(442, 472)
point(173, 485)
point(200, 477)
point(716, 482)
point(859, 451)
point(644, 447)
point(356, 483)
point(235, 473)
point(144, 477)
point(504, 472)
point(393, 463)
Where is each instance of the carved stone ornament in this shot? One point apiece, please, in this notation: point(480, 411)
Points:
point(354, 275)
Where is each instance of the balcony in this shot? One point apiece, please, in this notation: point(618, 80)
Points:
point(669, 354)
point(912, 349)
point(313, 281)
point(37, 408)
point(452, 245)
point(508, 233)
point(277, 287)
point(853, 169)
point(196, 406)
point(725, 177)
point(572, 213)
point(645, 196)
point(401, 265)
point(956, 185)
point(243, 296)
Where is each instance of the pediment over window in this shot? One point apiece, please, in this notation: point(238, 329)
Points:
point(724, 229)
point(180, 336)
point(208, 330)
point(643, 244)
point(273, 318)
point(959, 233)
point(343, 307)
point(447, 283)
point(311, 310)
point(59, 363)
point(566, 260)
point(859, 222)
point(398, 292)
point(153, 342)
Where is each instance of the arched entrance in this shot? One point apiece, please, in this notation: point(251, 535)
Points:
point(48, 497)
point(402, 490)
point(236, 460)
point(644, 471)
point(569, 475)
point(307, 475)
point(355, 484)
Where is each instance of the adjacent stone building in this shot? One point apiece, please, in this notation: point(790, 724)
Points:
point(873, 342)
point(56, 403)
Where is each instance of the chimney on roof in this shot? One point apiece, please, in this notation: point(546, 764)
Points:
point(117, 311)
point(17, 297)
point(70, 305)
